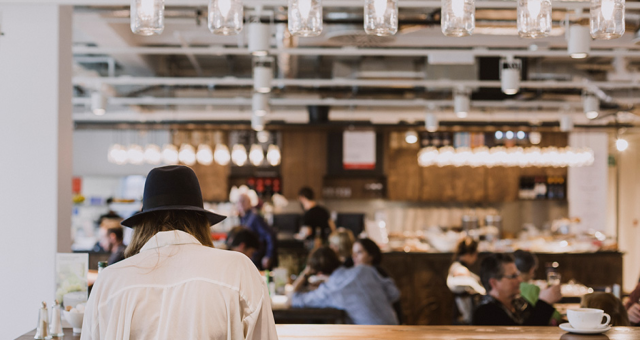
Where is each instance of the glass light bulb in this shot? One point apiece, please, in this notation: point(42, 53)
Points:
point(457, 7)
point(170, 154)
point(457, 18)
point(381, 17)
point(534, 7)
point(534, 18)
point(204, 155)
point(147, 17)
point(152, 154)
point(273, 155)
point(187, 154)
point(221, 154)
point(607, 9)
point(225, 16)
point(114, 153)
point(305, 17)
point(621, 144)
point(607, 19)
point(256, 155)
point(239, 155)
point(305, 7)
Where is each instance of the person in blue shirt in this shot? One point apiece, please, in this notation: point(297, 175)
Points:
point(266, 257)
point(360, 291)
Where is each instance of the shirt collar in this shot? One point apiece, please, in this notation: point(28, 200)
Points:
point(167, 238)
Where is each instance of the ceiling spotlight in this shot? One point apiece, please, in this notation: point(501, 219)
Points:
point(260, 104)
point(566, 123)
point(607, 19)
point(256, 154)
point(621, 144)
point(411, 137)
point(521, 135)
point(257, 122)
point(461, 102)
point(431, 122)
point(147, 17)
point(262, 75)
point(499, 135)
point(259, 38)
point(98, 103)
point(509, 134)
point(225, 16)
point(239, 155)
point(263, 136)
point(305, 18)
point(535, 137)
point(510, 75)
point(590, 105)
point(221, 154)
point(579, 44)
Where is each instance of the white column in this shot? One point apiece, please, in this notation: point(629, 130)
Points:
point(629, 199)
point(35, 158)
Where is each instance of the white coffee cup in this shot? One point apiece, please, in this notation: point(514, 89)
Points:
point(587, 318)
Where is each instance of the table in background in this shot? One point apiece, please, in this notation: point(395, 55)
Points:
point(352, 332)
point(309, 315)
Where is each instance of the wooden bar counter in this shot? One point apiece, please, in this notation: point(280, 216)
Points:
point(352, 332)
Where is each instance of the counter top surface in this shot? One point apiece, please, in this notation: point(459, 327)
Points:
point(350, 332)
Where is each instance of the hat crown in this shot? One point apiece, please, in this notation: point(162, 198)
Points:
point(173, 185)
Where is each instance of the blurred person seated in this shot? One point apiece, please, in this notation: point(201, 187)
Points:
point(106, 222)
point(633, 306)
point(114, 245)
point(367, 253)
point(266, 257)
point(462, 281)
point(360, 291)
point(609, 304)
point(527, 264)
point(243, 240)
point(503, 306)
point(341, 241)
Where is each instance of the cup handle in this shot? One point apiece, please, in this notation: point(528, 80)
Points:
point(602, 325)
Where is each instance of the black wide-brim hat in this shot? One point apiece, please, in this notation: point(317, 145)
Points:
point(173, 187)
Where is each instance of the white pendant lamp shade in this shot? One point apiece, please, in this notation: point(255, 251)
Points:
point(566, 123)
point(510, 75)
point(221, 154)
point(259, 38)
point(431, 122)
point(152, 154)
point(239, 155)
point(458, 17)
point(170, 154)
point(381, 17)
point(411, 137)
point(225, 16)
point(579, 44)
point(260, 104)
point(461, 102)
point(256, 155)
point(607, 19)
point(257, 122)
point(204, 155)
point(534, 18)
point(187, 154)
point(535, 137)
point(621, 144)
point(98, 103)
point(117, 154)
point(591, 105)
point(263, 136)
point(262, 76)
point(273, 155)
point(147, 17)
point(135, 154)
point(305, 17)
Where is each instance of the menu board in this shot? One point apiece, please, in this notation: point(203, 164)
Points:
point(359, 150)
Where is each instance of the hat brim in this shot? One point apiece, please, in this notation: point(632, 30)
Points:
point(134, 220)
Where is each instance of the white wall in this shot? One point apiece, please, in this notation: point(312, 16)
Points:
point(35, 176)
point(90, 152)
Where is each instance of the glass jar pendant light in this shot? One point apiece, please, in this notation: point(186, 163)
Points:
point(147, 17)
point(305, 17)
point(458, 17)
point(381, 17)
point(225, 16)
point(607, 19)
point(534, 18)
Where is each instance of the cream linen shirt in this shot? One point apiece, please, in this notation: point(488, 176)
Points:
point(176, 288)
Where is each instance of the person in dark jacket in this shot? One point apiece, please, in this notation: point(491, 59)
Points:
point(267, 256)
point(503, 306)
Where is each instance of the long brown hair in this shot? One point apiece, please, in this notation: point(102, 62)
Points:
point(610, 304)
point(191, 222)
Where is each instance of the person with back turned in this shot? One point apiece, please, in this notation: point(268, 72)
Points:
point(503, 306)
point(316, 221)
point(173, 283)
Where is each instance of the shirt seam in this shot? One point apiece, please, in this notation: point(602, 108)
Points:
point(121, 291)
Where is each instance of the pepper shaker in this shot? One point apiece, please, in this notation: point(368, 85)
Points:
point(42, 332)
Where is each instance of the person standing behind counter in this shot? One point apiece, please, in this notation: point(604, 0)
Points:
point(316, 221)
point(173, 283)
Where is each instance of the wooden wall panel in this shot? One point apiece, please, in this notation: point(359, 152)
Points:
point(502, 184)
point(403, 175)
point(437, 184)
point(214, 181)
point(469, 184)
point(304, 161)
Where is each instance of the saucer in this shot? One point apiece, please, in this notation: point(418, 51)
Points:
point(567, 327)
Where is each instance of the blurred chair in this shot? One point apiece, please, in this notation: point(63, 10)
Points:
point(610, 304)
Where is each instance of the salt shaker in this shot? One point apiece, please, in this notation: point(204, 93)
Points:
point(42, 332)
point(55, 326)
